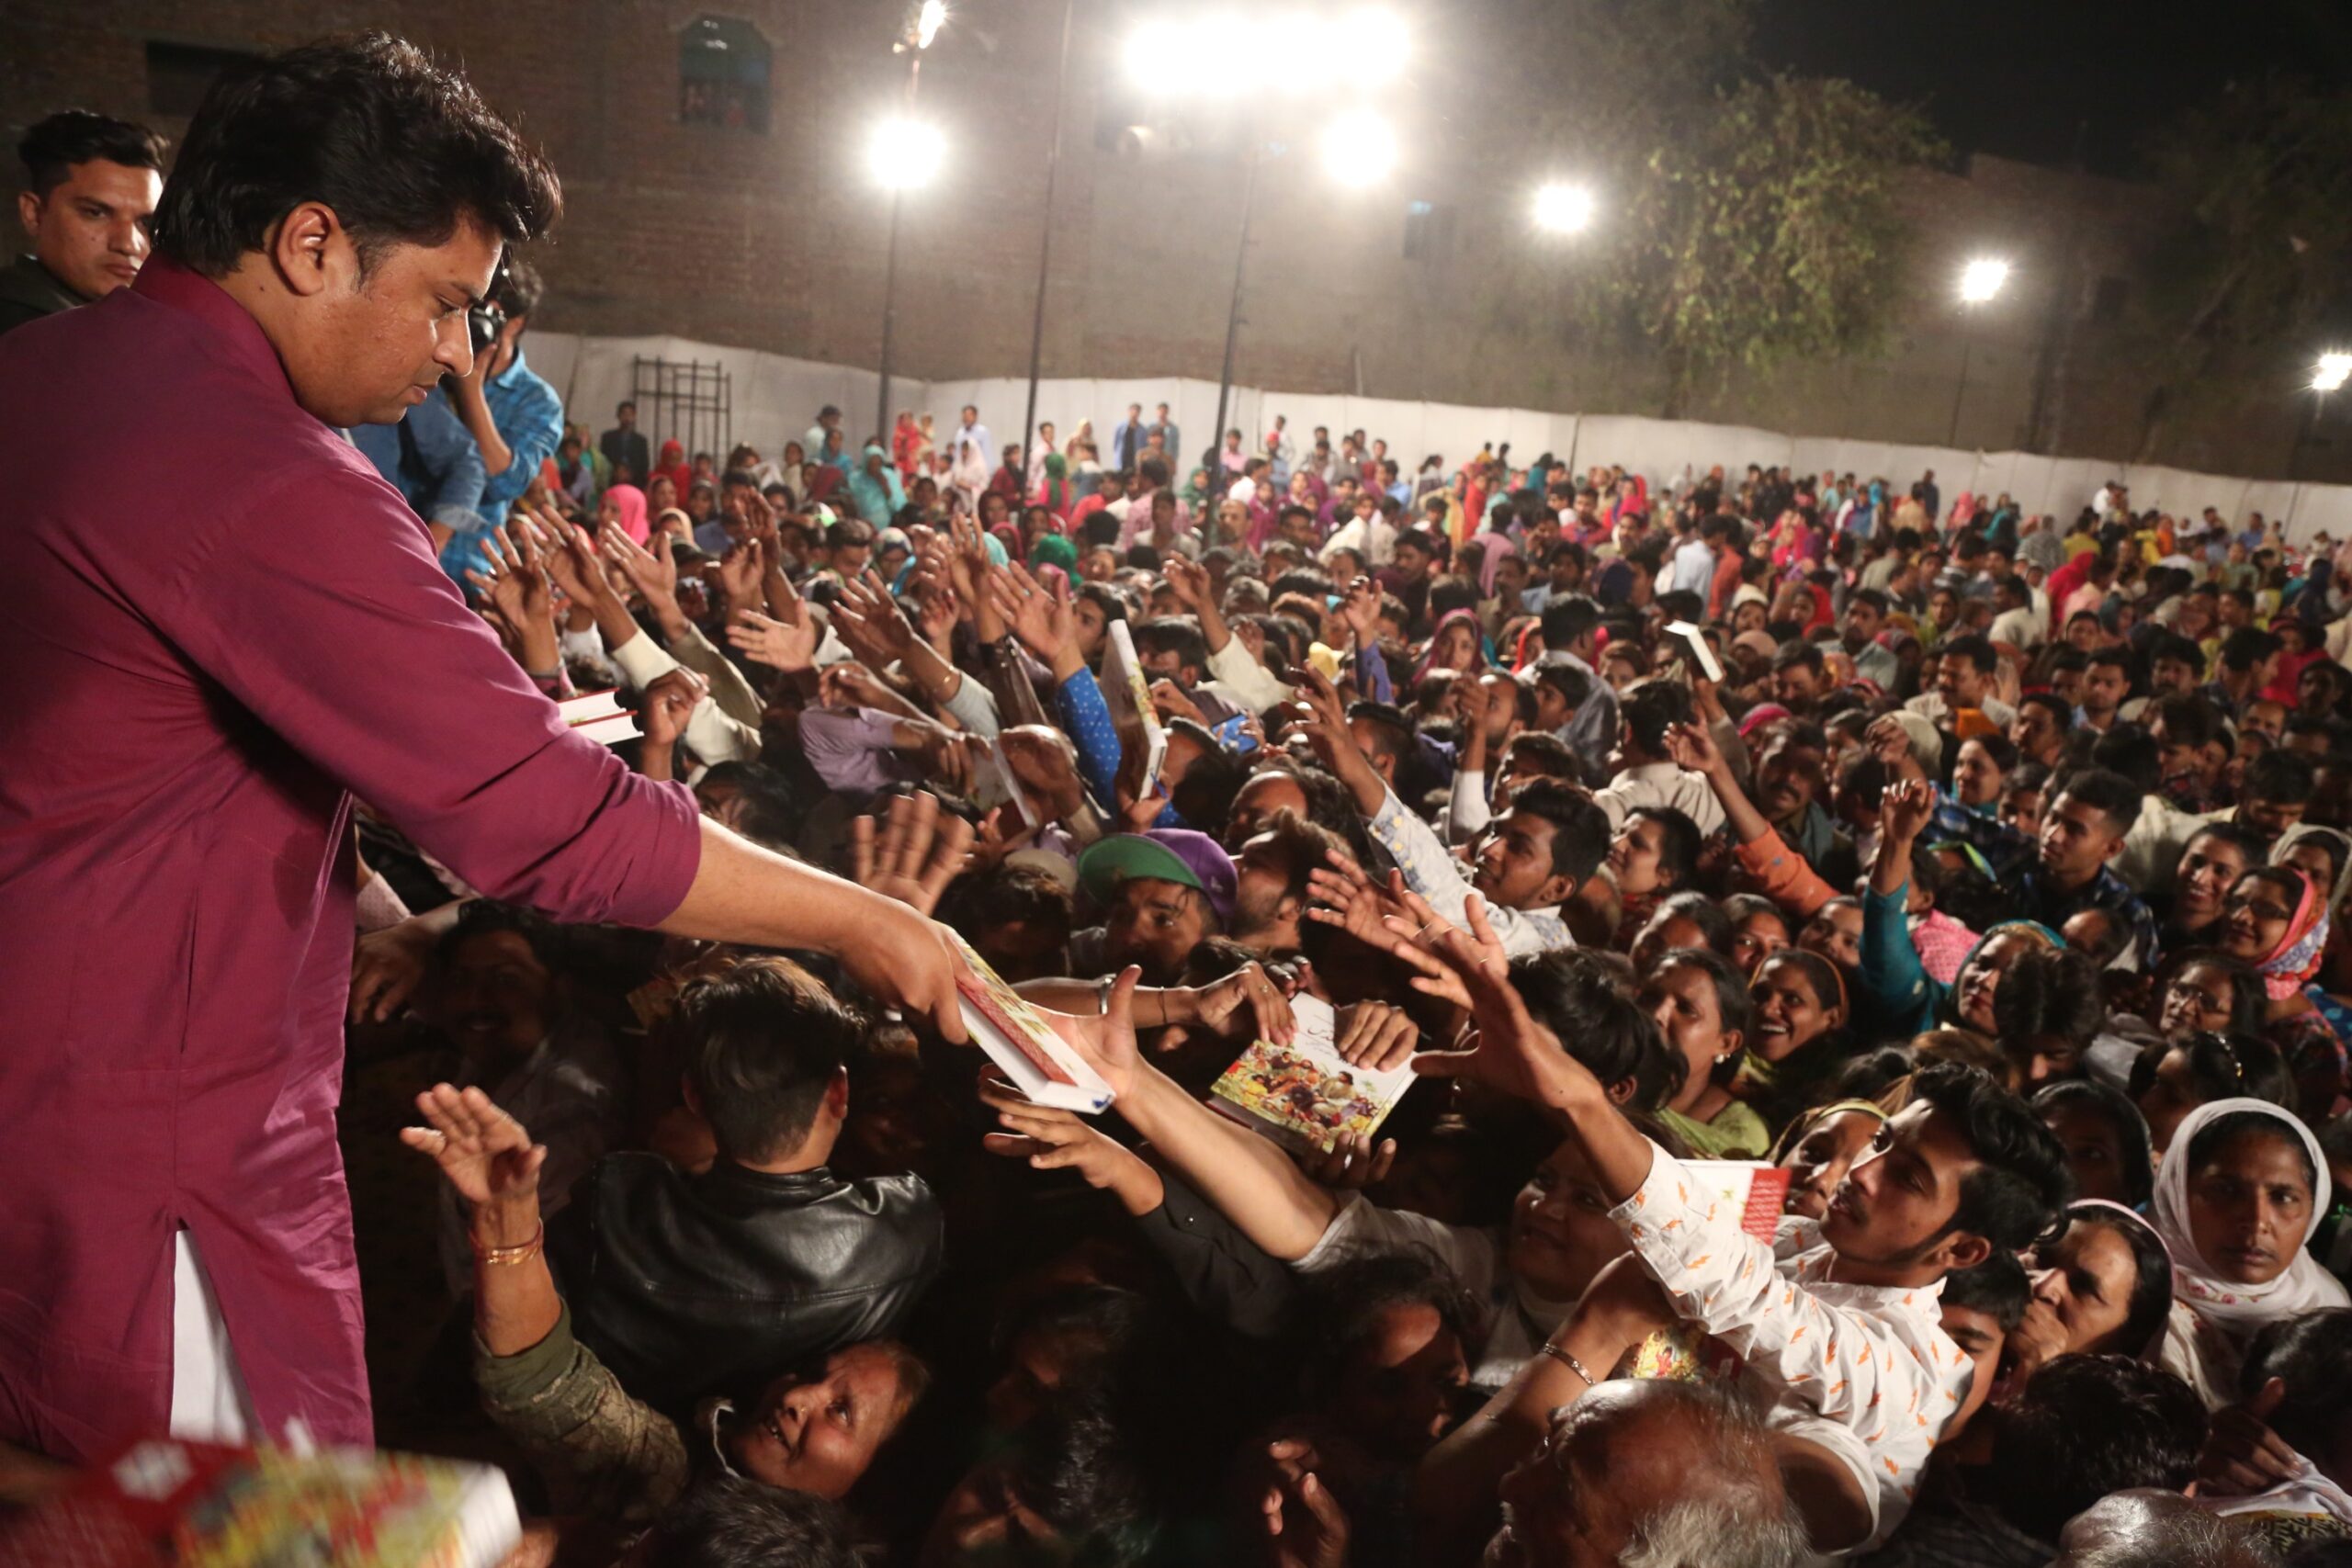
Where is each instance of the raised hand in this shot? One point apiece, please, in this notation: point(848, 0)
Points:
point(1169, 701)
point(1344, 896)
point(868, 619)
point(1050, 1139)
point(1043, 621)
point(1187, 579)
point(1305, 1525)
point(1692, 746)
point(1107, 1041)
point(1903, 810)
point(1360, 608)
point(670, 702)
point(791, 647)
point(484, 1153)
point(2241, 1455)
point(1376, 1036)
point(740, 570)
point(1352, 1163)
point(918, 851)
point(1511, 1052)
point(1248, 986)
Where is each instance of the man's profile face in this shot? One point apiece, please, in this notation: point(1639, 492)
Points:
point(91, 231)
point(1515, 868)
point(1899, 1197)
point(2076, 840)
point(365, 350)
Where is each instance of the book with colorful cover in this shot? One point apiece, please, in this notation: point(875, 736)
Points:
point(1039, 1062)
point(1305, 1094)
point(165, 1501)
point(1128, 694)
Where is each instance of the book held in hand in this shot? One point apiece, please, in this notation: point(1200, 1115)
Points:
point(1039, 1062)
point(1128, 694)
point(1305, 1094)
point(1755, 1191)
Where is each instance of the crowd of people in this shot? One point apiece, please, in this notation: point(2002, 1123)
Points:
point(1980, 874)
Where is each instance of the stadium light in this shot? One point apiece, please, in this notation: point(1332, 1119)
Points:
point(1228, 53)
point(2332, 372)
point(905, 153)
point(1563, 208)
point(928, 20)
point(1981, 279)
point(1359, 147)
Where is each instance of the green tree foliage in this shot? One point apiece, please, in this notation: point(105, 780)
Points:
point(2259, 259)
point(1765, 228)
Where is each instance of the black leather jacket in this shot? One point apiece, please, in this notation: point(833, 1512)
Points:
point(694, 1285)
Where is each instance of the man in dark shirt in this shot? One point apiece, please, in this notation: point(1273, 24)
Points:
point(91, 184)
point(691, 1285)
point(623, 447)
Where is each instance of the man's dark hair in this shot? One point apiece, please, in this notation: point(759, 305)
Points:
point(1573, 684)
point(730, 1522)
point(2119, 657)
point(2282, 777)
point(1540, 752)
point(1792, 654)
point(1575, 993)
point(1392, 732)
point(1976, 649)
point(2061, 711)
point(1304, 845)
point(2132, 752)
point(1580, 827)
point(1009, 895)
point(2015, 1195)
point(761, 1041)
point(2048, 993)
point(551, 943)
point(1870, 598)
point(2089, 1425)
point(55, 145)
point(1568, 620)
point(2247, 647)
point(1996, 1287)
point(2188, 721)
point(1176, 634)
point(2173, 646)
point(2110, 794)
point(1678, 848)
point(401, 150)
point(2312, 1354)
point(1652, 707)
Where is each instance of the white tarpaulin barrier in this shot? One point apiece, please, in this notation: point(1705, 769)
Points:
point(776, 399)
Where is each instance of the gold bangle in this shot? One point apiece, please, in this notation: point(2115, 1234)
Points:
point(501, 1257)
point(1561, 1355)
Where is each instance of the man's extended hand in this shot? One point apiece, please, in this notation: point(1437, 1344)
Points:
point(788, 645)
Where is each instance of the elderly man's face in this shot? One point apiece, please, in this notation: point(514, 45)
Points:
point(1612, 1459)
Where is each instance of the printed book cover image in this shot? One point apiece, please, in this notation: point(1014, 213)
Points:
point(1305, 1094)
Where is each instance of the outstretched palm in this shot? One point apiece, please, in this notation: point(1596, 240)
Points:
point(485, 1154)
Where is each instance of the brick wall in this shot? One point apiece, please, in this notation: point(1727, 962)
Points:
point(777, 241)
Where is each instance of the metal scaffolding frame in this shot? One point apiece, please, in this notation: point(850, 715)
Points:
point(692, 403)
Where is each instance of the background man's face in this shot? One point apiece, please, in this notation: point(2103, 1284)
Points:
point(91, 231)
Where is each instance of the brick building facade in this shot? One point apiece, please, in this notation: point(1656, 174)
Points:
point(687, 215)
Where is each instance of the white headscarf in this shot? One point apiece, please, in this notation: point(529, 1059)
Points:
point(2240, 1310)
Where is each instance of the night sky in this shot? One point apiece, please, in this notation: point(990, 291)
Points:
point(2018, 77)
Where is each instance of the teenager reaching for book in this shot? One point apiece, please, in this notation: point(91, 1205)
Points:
point(1836, 1323)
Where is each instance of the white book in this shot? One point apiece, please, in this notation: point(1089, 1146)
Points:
point(1128, 694)
point(600, 716)
point(1039, 1062)
point(1305, 1094)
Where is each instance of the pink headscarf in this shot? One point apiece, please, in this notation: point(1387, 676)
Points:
point(1477, 643)
point(629, 501)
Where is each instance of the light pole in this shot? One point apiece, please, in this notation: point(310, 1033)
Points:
point(906, 153)
point(1247, 58)
point(1045, 252)
point(1980, 280)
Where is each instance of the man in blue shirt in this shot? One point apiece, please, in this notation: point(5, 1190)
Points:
point(472, 449)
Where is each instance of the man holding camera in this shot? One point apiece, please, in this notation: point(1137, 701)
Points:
point(468, 451)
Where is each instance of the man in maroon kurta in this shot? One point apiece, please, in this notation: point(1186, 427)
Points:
point(220, 624)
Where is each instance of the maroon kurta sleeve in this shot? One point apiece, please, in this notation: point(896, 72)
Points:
point(321, 610)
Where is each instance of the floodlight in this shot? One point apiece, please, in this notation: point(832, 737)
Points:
point(928, 22)
point(2333, 371)
point(1359, 147)
point(1563, 208)
point(1981, 279)
point(905, 154)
